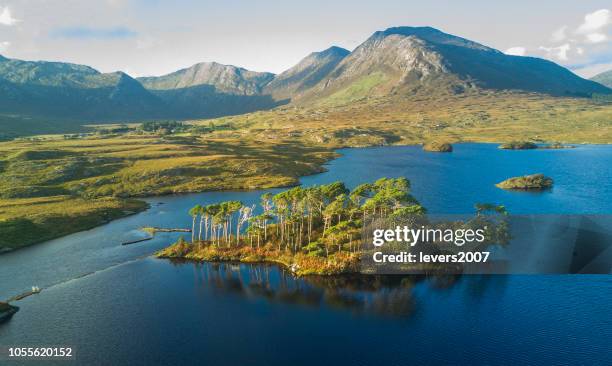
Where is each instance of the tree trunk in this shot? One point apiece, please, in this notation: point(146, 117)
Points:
point(193, 229)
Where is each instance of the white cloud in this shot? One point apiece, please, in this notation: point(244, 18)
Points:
point(6, 18)
point(559, 35)
point(582, 44)
point(595, 25)
point(560, 52)
point(516, 51)
point(4, 46)
point(596, 37)
point(595, 21)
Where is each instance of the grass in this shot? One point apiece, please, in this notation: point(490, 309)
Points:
point(479, 117)
point(137, 166)
point(54, 186)
point(26, 221)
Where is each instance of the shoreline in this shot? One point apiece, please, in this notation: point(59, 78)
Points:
point(298, 264)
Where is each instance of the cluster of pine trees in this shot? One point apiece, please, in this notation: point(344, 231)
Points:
point(315, 220)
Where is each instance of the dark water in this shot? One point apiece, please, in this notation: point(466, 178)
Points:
point(116, 305)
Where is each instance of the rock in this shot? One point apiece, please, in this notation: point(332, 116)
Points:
point(527, 182)
point(435, 146)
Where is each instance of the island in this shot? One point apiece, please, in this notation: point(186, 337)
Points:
point(527, 182)
point(528, 145)
point(518, 145)
point(315, 230)
point(436, 146)
point(556, 146)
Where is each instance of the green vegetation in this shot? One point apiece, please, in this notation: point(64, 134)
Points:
point(527, 182)
point(55, 185)
point(25, 221)
point(400, 120)
point(313, 230)
point(518, 145)
point(555, 146)
point(527, 145)
point(163, 127)
point(359, 89)
point(435, 146)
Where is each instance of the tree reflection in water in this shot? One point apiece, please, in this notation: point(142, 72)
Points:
point(378, 295)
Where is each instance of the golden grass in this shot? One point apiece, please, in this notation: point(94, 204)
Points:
point(300, 264)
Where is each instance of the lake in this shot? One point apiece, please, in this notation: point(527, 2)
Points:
point(117, 305)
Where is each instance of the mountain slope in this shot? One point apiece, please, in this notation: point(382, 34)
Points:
point(224, 78)
point(605, 78)
point(211, 89)
point(56, 89)
point(306, 74)
point(406, 60)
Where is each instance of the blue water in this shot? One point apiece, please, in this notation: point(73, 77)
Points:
point(117, 305)
point(453, 183)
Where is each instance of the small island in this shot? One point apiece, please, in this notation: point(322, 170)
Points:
point(311, 231)
point(518, 145)
point(436, 146)
point(556, 146)
point(527, 182)
point(528, 145)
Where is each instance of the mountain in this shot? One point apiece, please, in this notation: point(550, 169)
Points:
point(211, 89)
point(406, 60)
point(56, 89)
point(306, 74)
point(401, 61)
point(605, 78)
point(224, 78)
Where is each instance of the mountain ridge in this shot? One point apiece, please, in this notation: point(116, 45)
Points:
point(226, 78)
point(306, 73)
point(56, 89)
point(402, 61)
point(409, 59)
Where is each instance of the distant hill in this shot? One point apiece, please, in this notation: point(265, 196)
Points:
point(56, 89)
point(605, 78)
point(211, 89)
point(225, 78)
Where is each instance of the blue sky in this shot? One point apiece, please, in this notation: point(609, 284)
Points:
point(153, 37)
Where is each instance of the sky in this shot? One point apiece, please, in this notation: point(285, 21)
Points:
point(156, 37)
